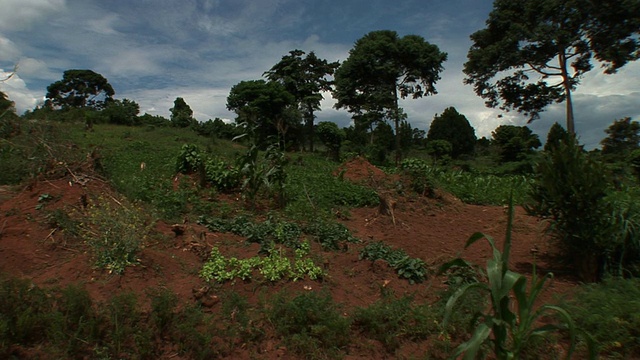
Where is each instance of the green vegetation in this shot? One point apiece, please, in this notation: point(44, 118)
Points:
point(273, 267)
point(412, 269)
point(177, 170)
point(508, 331)
point(611, 312)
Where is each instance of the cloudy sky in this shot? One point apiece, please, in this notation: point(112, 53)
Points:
point(152, 51)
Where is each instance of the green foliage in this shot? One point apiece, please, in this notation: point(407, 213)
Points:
point(189, 160)
point(23, 310)
point(454, 128)
point(557, 135)
point(122, 112)
point(264, 109)
point(330, 235)
point(440, 150)
point(79, 89)
point(570, 190)
point(623, 137)
point(412, 269)
point(485, 189)
point(314, 192)
point(515, 142)
point(611, 312)
point(525, 45)
point(304, 78)
point(507, 327)
point(181, 114)
point(382, 67)
point(114, 232)
point(310, 323)
point(332, 137)
point(221, 175)
point(391, 320)
point(274, 267)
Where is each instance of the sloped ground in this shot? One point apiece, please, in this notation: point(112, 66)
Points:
point(433, 230)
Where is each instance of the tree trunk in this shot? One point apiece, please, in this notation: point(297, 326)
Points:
point(310, 129)
point(396, 115)
point(567, 89)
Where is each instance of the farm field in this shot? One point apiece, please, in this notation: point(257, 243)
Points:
point(37, 244)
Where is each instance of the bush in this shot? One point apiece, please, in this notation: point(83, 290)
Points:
point(570, 190)
point(311, 324)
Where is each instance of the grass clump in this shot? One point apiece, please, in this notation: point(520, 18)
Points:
point(392, 320)
point(311, 324)
point(611, 312)
point(115, 233)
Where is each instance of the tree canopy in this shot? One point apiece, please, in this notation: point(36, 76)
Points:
point(556, 135)
point(454, 128)
point(79, 89)
point(305, 78)
point(515, 142)
point(181, 114)
point(526, 44)
point(623, 137)
point(382, 67)
point(264, 107)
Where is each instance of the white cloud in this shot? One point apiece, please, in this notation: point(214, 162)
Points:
point(17, 91)
point(21, 14)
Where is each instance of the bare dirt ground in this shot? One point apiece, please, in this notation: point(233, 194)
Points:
point(433, 230)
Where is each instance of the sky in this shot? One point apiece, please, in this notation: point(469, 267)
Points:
point(153, 51)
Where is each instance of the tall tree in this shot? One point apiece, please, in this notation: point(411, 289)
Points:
point(557, 135)
point(305, 78)
point(265, 108)
point(526, 44)
point(79, 89)
point(454, 128)
point(181, 114)
point(383, 67)
point(515, 142)
point(623, 137)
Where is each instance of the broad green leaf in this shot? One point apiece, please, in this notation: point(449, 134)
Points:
point(471, 347)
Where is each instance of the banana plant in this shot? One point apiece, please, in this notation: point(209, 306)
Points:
point(509, 325)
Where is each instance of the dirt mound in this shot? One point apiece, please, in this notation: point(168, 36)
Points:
point(359, 170)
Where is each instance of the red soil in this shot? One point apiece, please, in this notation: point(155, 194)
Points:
point(433, 230)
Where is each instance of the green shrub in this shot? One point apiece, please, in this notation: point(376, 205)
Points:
point(311, 324)
point(611, 312)
point(189, 160)
point(570, 190)
point(412, 269)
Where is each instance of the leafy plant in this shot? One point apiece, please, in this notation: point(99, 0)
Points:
point(274, 267)
point(508, 331)
point(189, 160)
point(412, 269)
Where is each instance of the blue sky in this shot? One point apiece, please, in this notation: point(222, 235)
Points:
point(152, 51)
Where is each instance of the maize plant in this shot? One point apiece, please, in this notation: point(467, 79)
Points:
point(508, 326)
